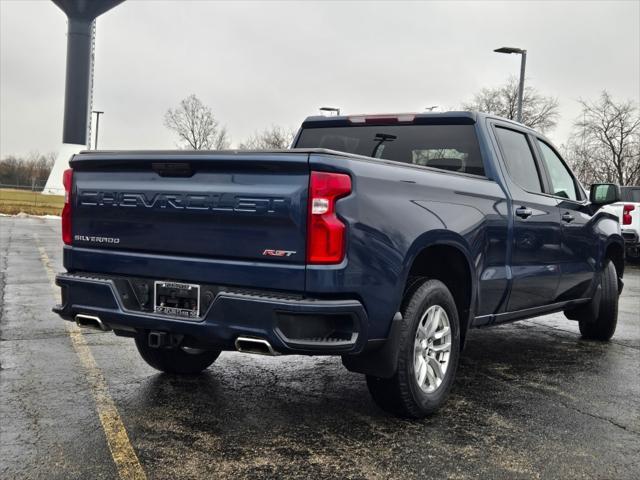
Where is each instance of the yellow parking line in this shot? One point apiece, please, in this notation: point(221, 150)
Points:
point(122, 451)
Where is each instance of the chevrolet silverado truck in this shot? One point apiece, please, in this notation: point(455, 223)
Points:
point(383, 239)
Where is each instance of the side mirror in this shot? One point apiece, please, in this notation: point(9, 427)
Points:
point(604, 194)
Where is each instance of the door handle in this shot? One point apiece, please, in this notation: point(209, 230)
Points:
point(567, 217)
point(524, 212)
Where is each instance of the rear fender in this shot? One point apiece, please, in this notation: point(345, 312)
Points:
point(382, 361)
point(450, 239)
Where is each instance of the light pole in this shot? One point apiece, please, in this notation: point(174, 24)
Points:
point(336, 110)
point(98, 113)
point(523, 63)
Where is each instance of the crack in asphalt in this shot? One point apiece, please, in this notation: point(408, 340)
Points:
point(598, 417)
point(540, 388)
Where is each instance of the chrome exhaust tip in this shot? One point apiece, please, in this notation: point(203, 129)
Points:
point(257, 346)
point(89, 321)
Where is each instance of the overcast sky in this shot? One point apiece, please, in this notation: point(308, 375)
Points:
point(261, 63)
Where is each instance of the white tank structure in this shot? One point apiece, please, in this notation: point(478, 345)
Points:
point(76, 134)
point(54, 182)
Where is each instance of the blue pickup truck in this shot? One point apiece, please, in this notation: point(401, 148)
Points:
point(383, 239)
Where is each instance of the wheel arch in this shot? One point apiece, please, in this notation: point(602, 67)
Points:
point(614, 251)
point(447, 260)
point(442, 245)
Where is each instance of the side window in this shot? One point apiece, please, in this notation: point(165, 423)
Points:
point(519, 159)
point(561, 180)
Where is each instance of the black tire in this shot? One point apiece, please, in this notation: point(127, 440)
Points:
point(176, 360)
point(401, 394)
point(603, 326)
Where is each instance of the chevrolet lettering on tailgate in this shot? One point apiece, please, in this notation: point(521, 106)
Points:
point(213, 202)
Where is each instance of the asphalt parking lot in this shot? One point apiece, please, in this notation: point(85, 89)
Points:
point(532, 400)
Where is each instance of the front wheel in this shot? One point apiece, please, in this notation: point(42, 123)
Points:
point(602, 326)
point(428, 355)
point(180, 360)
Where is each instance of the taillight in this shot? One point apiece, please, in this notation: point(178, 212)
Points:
point(626, 214)
point(326, 233)
point(67, 181)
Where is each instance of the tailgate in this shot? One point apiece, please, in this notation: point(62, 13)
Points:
point(246, 207)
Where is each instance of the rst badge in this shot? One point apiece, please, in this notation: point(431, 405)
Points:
point(278, 253)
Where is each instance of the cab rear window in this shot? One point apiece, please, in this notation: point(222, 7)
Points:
point(630, 194)
point(446, 147)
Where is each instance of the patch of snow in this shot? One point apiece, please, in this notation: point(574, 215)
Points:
point(26, 215)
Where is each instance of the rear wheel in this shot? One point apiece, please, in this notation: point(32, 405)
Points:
point(428, 355)
point(180, 360)
point(602, 326)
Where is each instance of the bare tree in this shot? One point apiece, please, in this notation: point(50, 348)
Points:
point(31, 171)
point(196, 126)
point(538, 111)
point(605, 143)
point(274, 137)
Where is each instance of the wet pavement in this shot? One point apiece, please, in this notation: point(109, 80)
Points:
point(531, 400)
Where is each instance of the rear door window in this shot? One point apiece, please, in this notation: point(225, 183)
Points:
point(446, 147)
point(519, 159)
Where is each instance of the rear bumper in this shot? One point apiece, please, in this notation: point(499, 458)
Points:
point(630, 238)
point(287, 323)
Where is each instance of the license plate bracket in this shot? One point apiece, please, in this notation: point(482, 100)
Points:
point(176, 299)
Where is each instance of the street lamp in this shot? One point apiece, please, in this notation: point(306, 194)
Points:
point(98, 113)
point(523, 62)
point(336, 110)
